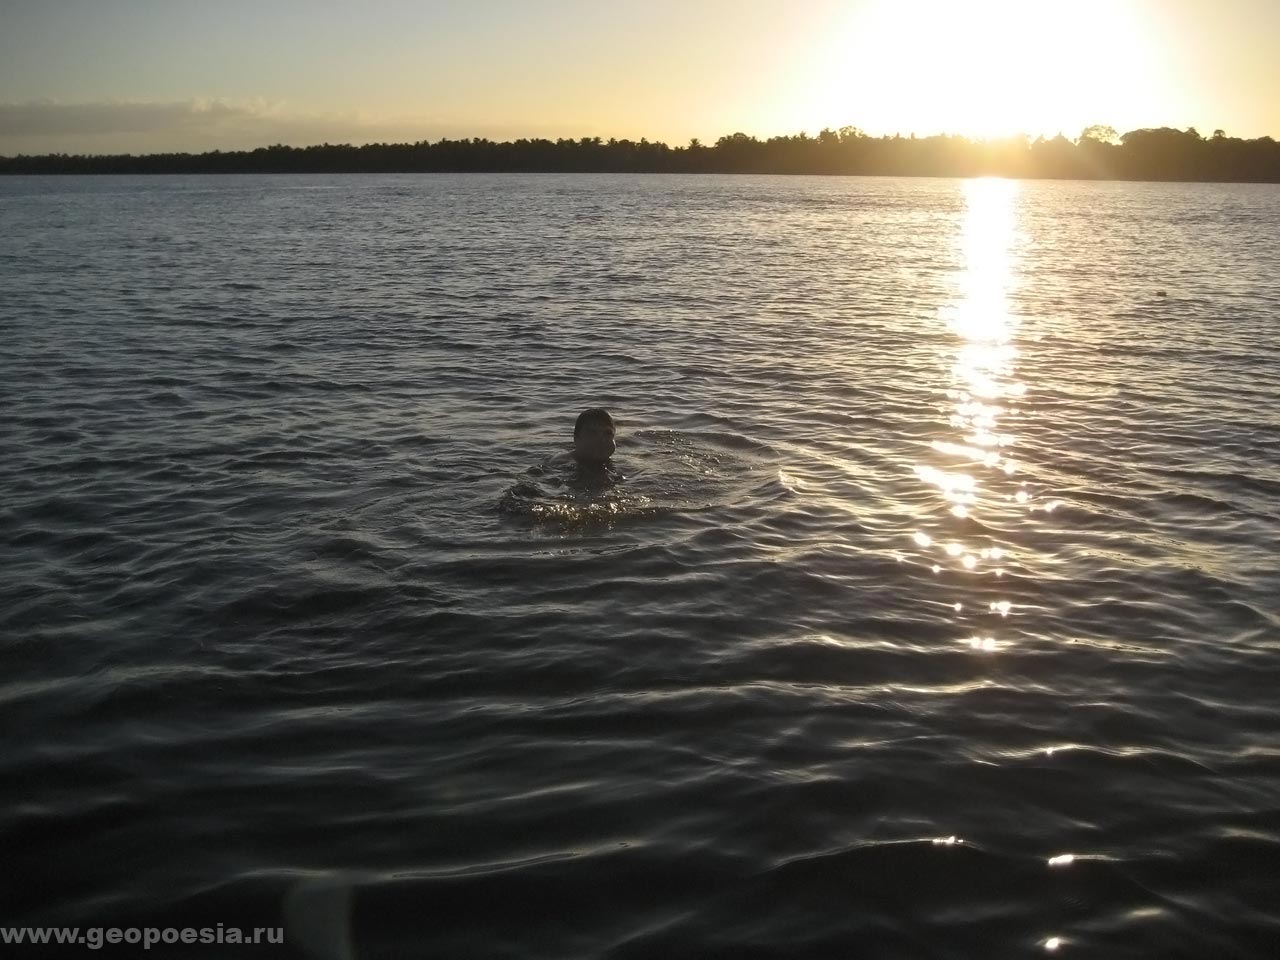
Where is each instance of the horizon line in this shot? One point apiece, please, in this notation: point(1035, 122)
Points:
point(843, 134)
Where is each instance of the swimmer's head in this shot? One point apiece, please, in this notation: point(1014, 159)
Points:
point(593, 436)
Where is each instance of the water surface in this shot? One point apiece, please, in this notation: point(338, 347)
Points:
point(935, 615)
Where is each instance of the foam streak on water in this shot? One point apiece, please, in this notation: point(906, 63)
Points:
point(935, 615)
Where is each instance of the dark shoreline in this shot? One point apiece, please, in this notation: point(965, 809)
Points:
point(1159, 155)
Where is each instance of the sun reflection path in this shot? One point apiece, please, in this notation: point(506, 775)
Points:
point(973, 468)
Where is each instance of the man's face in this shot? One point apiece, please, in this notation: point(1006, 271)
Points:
point(595, 441)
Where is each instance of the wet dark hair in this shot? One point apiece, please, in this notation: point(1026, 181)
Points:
point(587, 417)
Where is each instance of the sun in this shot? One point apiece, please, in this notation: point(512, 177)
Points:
point(981, 68)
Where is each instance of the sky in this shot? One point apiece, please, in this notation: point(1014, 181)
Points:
point(140, 76)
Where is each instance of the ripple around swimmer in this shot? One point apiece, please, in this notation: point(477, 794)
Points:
point(660, 472)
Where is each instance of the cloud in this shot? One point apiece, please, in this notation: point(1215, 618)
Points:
point(118, 126)
point(51, 118)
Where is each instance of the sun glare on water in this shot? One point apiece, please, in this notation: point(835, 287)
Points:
point(970, 463)
point(981, 68)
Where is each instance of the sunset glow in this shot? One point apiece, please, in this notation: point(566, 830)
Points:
point(988, 68)
point(180, 75)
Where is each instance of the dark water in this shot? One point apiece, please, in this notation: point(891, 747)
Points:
point(936, 616)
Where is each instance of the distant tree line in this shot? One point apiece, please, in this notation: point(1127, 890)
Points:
point(1099, 153)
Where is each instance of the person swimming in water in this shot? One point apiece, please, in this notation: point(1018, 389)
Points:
point(594, 438)
point(584, 470)
point(594, 441)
